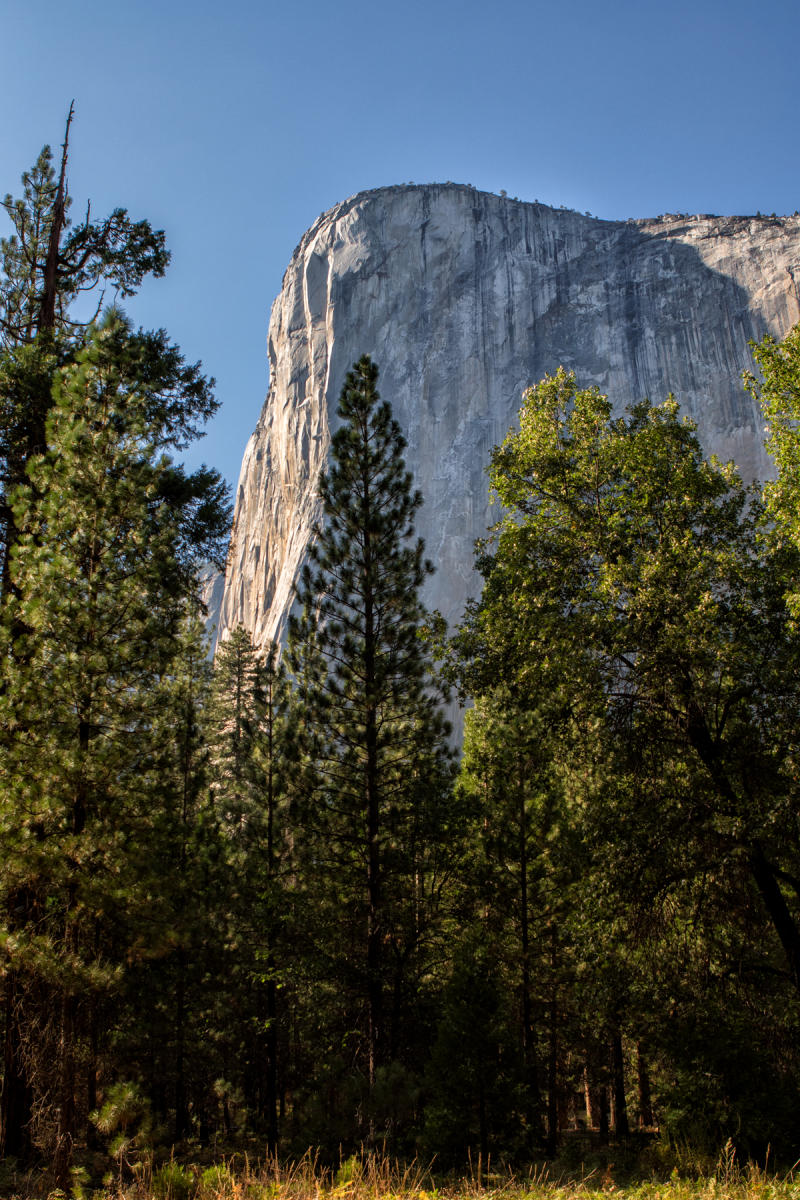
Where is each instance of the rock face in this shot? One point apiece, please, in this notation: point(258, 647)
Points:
point(464, 299)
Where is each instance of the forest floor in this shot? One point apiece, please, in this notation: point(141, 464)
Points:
point(369, 1179)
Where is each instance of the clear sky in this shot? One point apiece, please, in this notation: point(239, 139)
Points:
point(233, 124)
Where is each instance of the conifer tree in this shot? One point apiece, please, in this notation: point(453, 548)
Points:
point(165, 996)
point(376, 816)
point(46, 265)
point(248, 742)
point(110, 534)
point(235, 721)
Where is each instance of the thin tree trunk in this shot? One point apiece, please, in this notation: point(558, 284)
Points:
point(590, 1099)
point(762, 871)
point(775, 904)
point(47, 309)
point(602, 1122)
point(272, 991)
point(16, 1097)
point(181, 1113)
point(272, 1059)
point(528, 1041)
point(645, 1099)
point(483, 1153)
point(552, 1082)
point(372, 800)
point(621, 1126)
point(65, 1136)
point(91, 1069)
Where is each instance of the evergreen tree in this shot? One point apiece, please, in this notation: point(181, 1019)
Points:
point(150, 394)
point(161, 1037)
point(247, 726)
point(46, 267)
point(374, 821)
point(235, 724)
point(103, 573)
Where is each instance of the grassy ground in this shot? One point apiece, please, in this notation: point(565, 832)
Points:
point(375, 1179)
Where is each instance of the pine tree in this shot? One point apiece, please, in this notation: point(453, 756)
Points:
point(46, 267)
point(248, 743)
point(46, 264)
point(377, 737)
point(235, 724)
point(103, 572)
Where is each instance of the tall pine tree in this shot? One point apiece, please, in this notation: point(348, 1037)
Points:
point(103, 573)
point(46, 266)
point(376, 816)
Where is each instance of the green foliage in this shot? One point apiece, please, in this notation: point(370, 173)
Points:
point(172, 1181)
point(217, 1183)
point(372, 812)
point(109, 535)
point(248, 733)
point(126, 1121)
point(45, 265)
point(778, 392)
point(248, 903)
point(634, 617)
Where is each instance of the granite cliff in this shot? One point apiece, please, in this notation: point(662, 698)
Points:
point(464, 299)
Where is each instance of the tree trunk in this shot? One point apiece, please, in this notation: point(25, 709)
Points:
point(181, 1114)
point(602, 1119)
point(372, 800)
point(47, 309)
point(272, 1059)
point(528, 1041)
point(65, 1136)
point(272, 991)
point(552, 1082)
point(762, 871)
point(775, 904)
point(621, 1127)
point(645, 1099)
point(16, 1098)
point(587, 1098)
point(92, 1141)
point(483, 1126)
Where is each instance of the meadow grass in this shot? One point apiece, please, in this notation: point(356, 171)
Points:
point(371, 1177)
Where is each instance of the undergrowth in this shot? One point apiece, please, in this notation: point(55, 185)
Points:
point(370, 1177)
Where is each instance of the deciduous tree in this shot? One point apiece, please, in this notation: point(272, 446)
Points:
point(630, 589)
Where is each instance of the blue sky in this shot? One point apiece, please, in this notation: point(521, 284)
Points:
point(232, 126)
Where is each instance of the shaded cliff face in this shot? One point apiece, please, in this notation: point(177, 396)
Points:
point(464, 299)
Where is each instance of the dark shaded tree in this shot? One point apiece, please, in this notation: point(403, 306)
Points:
point(375, 813)
point(248, 736)
point(103, 574)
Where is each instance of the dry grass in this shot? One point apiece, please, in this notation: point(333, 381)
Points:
point(375, 1178)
